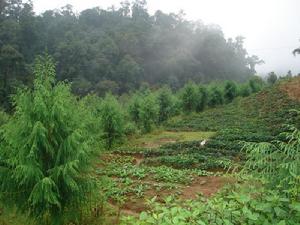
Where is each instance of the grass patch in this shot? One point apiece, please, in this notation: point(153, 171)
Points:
point(159, 138)
point(10, 216)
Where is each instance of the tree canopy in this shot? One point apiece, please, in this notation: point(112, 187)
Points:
point(116, 49)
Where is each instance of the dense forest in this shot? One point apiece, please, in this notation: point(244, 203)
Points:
point(118, 49)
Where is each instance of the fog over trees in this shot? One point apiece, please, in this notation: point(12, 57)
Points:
point(131, 116)
point(117, 49)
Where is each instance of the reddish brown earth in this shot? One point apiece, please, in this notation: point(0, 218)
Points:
point(292, 88)
point(207, 186)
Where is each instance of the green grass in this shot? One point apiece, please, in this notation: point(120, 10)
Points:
point(159, 137)
point(12, 217)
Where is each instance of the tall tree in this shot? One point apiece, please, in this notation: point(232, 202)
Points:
point(202, 98)
point(125, 45)
point(112, 120)
point(272, 78)
point(253, 61)
point(189, 97)
point(230, 91)
point(149, 111)
point(44, 150)
point(166, 104)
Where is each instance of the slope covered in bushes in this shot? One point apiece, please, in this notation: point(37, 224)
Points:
point(267, 191)
point(257, 118)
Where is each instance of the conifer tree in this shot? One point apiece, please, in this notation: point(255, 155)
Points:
point(230, 91)
point(202, 98)
point(148, 112)
point(189, 97)
point(244, 90)
point(256, 84)
point(166, 104)
point(215, 97)
point(44, 150)
point(3, 117)
point(112, 120)
point(134, 107)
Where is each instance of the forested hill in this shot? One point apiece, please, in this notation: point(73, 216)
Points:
point(117, 49)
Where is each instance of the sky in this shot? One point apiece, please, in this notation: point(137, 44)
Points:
point(271, 27)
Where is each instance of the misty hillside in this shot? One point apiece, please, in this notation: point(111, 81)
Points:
point(119, 116)
point(118, 49)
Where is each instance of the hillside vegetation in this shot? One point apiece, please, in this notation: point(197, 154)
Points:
point(120, 116)
point(118, 49)
point(207, 154)
point(257, 118)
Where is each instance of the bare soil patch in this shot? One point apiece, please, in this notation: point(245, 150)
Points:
point(292, 88)
point(207, 186)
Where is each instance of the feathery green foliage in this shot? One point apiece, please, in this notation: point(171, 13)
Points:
point(149, 111)
point(277, 162)
point(230, 91)
point(202, 98)
point(189, 97)
point(3, 117)
point(144, 110)
point(166, 104)
point(134, 107)
point(44, 153)
point(91, 106)
point(215, 96)
point(244, 90)
point(112, 120)
point(256, 84)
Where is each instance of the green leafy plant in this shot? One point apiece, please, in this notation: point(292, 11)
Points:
point(230, 91)
point(256, 84)
point(188, 97)
point(44, 153)
point(202, 98)
point(166, 104)
point(277, 162)
point(144, 110)
point(134, 107)
point(168, 174)
point(215, 96)
point(251, 205)
point(149, 111)
point(112, 120)
point(3, 117)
